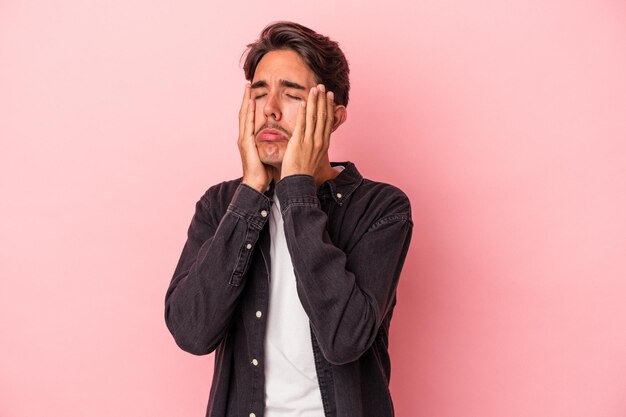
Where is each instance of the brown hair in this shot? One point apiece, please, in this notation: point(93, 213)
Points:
point(319, 52)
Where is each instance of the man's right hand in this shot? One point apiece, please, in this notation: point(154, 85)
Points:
point(255, 174)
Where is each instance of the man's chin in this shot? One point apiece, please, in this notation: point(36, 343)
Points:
point(275, 163)
point(270, 154)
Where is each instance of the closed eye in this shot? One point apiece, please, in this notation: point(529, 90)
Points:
point(260, 95)
point(293, 97)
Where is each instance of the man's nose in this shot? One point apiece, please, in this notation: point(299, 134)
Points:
point(272, 107)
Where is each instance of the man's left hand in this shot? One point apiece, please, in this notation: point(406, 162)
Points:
point(307, 150)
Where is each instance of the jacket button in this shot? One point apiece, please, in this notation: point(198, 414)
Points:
point(248, 246)
point(263, 213)
point(258, 314)
point(252, 415)
point(339, 195)
point(255, 362)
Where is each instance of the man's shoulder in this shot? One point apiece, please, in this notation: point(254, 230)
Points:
point(222, 190)
point(384, 189)
point(387, 201)
point(368, 197)
point(219, 195)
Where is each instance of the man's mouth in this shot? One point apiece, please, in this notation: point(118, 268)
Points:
point(270, 135)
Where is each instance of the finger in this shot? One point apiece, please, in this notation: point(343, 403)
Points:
point(249, 128)
point(244, 107)
point(321, 116)
point(299, 129)
point(246, 95)
point(330, 111)
point(247, 125)
point(311, 114)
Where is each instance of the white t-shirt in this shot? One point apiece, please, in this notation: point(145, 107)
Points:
point(291, 387)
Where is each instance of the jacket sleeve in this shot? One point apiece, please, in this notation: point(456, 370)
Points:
point(209, 278)
point(346, 296)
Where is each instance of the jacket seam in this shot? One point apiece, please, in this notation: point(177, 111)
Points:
point(389, 219)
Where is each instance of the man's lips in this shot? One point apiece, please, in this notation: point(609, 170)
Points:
point(271, 135)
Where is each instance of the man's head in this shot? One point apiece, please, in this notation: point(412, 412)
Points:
point(282, 65)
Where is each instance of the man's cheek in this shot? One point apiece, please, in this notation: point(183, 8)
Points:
point(289, 119)
point(258, 123)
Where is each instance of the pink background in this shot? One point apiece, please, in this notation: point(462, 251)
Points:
point(504, 121)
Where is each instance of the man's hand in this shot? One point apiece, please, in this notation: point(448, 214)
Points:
point(255, 174)
point(307, 150)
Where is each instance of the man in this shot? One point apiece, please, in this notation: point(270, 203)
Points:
point(290, 272)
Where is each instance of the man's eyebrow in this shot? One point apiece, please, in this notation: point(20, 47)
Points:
point(284, 83)
point(291, 84)
point(259, 84)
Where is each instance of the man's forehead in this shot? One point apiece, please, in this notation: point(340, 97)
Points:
point(283, 67)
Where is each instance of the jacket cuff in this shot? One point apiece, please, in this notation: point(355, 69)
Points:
point(298, 190)
point(251, 205)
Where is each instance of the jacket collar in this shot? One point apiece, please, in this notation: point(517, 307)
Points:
point(344, 184)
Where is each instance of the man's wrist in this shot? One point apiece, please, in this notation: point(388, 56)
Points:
point(251, 205)
point(260, 187)
point(298, 188)
point(287, 172)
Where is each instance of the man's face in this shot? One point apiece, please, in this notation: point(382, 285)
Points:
point(281, 82)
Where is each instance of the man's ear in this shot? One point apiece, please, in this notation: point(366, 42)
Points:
point(341, 114)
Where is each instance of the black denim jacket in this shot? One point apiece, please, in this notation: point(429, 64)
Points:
point(347, 241)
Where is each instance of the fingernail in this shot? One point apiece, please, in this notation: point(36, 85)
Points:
point(331, 96)
point(315, 91)
point(321, 87)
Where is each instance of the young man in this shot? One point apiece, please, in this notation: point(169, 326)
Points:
point(290, 272)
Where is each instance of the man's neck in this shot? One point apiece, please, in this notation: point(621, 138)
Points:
point(328, 174)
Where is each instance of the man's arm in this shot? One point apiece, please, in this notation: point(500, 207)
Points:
point(209, 278)
point(346, 296)
point(210, 274)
